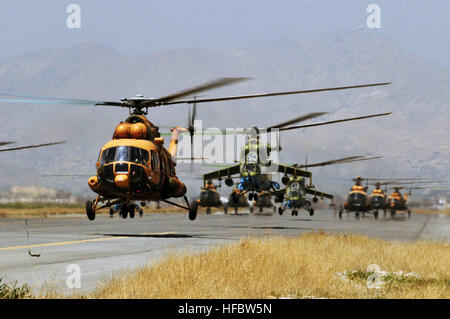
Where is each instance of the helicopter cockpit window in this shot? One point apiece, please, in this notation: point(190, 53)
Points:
point(139, 156)
point(295, 189)
point(155, 161)
point(108, 155)
point(122, 154)
point(295, 186)
point(125, 154)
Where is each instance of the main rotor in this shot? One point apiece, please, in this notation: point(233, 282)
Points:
point(139, 105)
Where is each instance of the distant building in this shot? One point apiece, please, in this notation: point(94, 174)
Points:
point(29, 194)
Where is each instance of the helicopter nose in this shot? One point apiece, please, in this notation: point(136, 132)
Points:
point(122, 180)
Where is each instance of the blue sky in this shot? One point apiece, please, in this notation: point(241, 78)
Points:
point(142, 26)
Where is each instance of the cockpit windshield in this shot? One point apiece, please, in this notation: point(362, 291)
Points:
point(295, 189)
point(125, 154)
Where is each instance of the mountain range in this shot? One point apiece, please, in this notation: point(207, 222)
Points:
point(414, 140)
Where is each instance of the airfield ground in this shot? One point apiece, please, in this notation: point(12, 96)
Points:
point(111, 248)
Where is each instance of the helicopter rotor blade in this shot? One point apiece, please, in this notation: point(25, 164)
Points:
point(198, 89)
point(169, 99)
point(333, 122)
point(238, 97)
point(349, 159)
point(406, 183)
point(297, 119)
point(31, 146)
point(6, 143)
point(67, 175)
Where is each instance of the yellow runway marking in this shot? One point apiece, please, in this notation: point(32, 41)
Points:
point(82, 241)
point(62, 243)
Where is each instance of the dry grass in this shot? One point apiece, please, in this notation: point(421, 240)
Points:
point(45, 210)
point(25, 210)
point(299, 267)
point(431, 211)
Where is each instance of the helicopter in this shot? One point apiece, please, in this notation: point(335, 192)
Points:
point(209, 197)
point(255, 166)
point(135, 165)
point(377, 200)
point(294, 195)
point(237, 200)
point(358, 201)
point(264, 200)
point(398, 202)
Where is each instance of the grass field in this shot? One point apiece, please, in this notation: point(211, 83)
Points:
point(315, 265)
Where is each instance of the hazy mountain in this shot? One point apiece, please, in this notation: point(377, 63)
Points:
point(414, 140)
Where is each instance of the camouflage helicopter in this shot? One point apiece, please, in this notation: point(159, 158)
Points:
point(135, 165)
point(294, 195)
point(255, 166)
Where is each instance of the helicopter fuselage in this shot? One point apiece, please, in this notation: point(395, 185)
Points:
point(134, 165)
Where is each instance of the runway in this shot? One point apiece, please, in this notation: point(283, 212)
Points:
point(108, 245)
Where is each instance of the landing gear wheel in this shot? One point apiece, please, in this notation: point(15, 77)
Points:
point(208, 210)
point(274, 209)
point(356, 215)
point(236, 210)
point(250, 196)
point(90, 212)
point(255, 197)
point(251, 210)
point(392, 213)
point(384, 212)
point(193, 210)
point(141, 213)
point(111, 213)
point(225, 210)
point(124, 211)
point(311, 212)
point(340, 214)
point(409, 214)
point(132, 211)
point(375, 214)
point(260, 209)
point(280, 210)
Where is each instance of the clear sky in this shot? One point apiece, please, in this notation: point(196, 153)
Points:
point(143, 26)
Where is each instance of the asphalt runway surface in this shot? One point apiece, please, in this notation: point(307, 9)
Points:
point(109, 245)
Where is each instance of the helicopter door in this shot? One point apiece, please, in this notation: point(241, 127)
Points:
point(156, 177)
